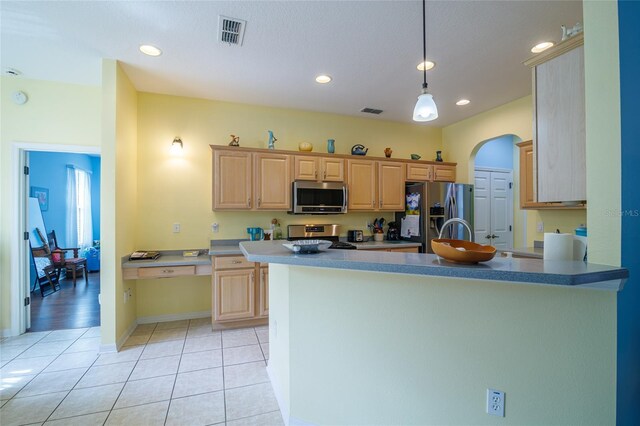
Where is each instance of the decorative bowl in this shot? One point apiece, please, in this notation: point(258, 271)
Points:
point(305, 147)
point(415, 157)
point(308, 246)
point(462, 251)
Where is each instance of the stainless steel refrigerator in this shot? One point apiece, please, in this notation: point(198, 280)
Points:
point(434, 203)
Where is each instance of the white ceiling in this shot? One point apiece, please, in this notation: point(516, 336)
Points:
point(370, 48)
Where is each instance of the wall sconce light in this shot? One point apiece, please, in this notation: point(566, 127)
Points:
point(176, 146)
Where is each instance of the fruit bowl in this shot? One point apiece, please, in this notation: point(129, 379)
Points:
point(462, 251)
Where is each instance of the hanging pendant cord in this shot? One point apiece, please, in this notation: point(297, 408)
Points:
point(424, 44)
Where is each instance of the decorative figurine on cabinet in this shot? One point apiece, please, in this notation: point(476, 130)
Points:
point(387, 152)
point(439, 156)
point(235, 140)
point(359, 149)
point(331, 147)
point(272, 140)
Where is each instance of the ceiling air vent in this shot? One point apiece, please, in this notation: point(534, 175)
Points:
point(371, 111)
point(231, 30)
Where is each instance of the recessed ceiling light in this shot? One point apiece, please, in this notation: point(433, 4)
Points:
point(323, 79)
point(463, 102)
point(540, 47)
point(150, 50)
point(426, 65)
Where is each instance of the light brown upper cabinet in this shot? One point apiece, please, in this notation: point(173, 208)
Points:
point(431, 173)
point(321, 169)
point(375, 185)
point(237, 187)
point(442, 173)
point(232, 177)
point(527, 196)
point(559, 142)
point(273, 181)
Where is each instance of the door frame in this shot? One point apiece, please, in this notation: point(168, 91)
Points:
point(19, 251)
point(510, 201)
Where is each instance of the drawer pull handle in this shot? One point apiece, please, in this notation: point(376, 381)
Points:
point(167, 271)
point(236, 261)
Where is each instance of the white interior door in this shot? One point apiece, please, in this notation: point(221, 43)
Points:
point(494, 208)
point(501, 211)
point(482, 207)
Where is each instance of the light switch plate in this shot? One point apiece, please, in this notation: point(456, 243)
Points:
point(176, 227)
point(540, 227)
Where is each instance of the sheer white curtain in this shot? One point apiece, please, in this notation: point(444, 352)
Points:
point(79, 221)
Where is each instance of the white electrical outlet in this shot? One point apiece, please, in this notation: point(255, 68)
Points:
point(495, 402)
point(215, 228)
point(126, 297)
point(176, 227)
point(129, 293)
point(540, 227)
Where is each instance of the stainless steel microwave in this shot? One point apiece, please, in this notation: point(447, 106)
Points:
point(318, 197)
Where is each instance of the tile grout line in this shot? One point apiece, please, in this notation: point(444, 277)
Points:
point(126, 381)
point(184, 343)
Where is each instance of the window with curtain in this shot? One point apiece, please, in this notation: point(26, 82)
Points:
point(79, 224)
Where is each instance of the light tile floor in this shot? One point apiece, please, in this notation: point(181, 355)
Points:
point(170, 373)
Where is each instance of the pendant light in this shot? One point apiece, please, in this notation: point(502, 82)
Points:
point(425, 109)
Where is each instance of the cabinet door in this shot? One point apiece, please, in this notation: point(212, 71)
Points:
point(444, 173)
point(391, 186)
point(332, 169)
point(419, 172)
point(361, 175)
point(560, 128)
point(305, 168)
point(263, 293)
point(233, 294)
point(231, 180)
point(527, 197)
point(273, 182)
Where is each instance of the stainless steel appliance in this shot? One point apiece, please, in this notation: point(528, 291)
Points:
point(435, 203)
point(318, 197)
point(318, 232)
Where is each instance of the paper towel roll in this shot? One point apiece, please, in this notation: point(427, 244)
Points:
point(558, 246)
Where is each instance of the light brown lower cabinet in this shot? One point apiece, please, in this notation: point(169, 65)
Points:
point(240, 292)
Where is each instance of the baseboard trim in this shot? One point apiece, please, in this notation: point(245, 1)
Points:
point(6, 332)
point(116, 347)
point(174, 317)
point(277, 390)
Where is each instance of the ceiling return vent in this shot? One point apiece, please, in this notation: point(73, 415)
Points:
point(231, 30)
point(371, 111)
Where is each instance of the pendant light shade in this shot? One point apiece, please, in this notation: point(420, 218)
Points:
point(425, 109)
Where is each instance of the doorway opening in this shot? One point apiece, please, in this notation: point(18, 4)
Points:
point(494, 188)
point(62, 200)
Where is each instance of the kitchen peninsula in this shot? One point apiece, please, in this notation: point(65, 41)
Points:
point(399, 338)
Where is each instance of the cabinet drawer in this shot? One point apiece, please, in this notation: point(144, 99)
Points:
point(166, 271)
point(232, 262)
point(444, 173)
point(419, 172)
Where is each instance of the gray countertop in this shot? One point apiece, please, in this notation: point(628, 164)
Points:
point(232, 247)
point(526, 271)
point(168, 258)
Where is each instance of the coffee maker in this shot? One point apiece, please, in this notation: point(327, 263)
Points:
point(393, 233)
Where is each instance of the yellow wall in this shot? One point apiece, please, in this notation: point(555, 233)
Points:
point(178, 190)
point(118, 198)
point(407, 349)
point(461, 141)
point(602, 98)
point(56, 113)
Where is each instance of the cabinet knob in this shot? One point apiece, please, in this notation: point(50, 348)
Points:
point(252, 277)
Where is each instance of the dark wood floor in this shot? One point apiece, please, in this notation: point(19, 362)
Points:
point(69, 307)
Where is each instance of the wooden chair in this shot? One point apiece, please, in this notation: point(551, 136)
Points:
point(73, 264)
point(46, 277)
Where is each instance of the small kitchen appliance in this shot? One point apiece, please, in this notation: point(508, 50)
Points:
point(393, 233)
point(318, 232)
point(355, 236)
